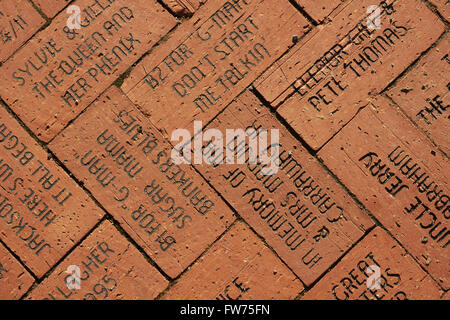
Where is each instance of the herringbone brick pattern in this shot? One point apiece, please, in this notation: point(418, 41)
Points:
point(94, 205)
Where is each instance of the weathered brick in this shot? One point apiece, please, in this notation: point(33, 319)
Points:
point(51, 7)
point(318, 85)
point(43, 212)
point(14, 279)
point(211, 59)
point(423, 94)
point(238, 267)
point(299, 209)
point(60, 71)
point(378, 268)
point(400, 177)
point(126, 163)
point(184, 7)
point(443, 7)
point(318, 10)
point(18, 22)
point(110, 268)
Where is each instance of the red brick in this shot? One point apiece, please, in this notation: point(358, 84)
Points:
point(43, 212)
point(443, 7)
point(51, 7)
point(301, 84)
point(18, 22)
point(285, 202)
point(400, 276)
point(189, 212)
point(72, 89)
point(404, 175)
point(184, 7)
point(266, 27)
point(238, 267)
point(110, 269)
point(14, 279)
point(318, 10)
point(423, 94)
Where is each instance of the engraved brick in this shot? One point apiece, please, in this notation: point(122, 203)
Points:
point(126, 164)
point(211, 59)
point(424, 94)
point(318, 85)
point(51, 7)
point(43, 212)
point(184, 7)
point(14, 279)
point(110, 268)
point(302, 213)
point(18, 22)
point(318, 10)
point(378, 268)
point(238, 267)
point(400, 177)
point(60, 71)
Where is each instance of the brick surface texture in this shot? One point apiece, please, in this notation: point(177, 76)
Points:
point(224, 150)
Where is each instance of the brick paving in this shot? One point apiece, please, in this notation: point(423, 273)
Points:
point(94, 205)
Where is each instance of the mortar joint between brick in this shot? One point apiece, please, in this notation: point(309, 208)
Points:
point(334, 264)
point(413, 64)
point(377, 223)
point(303, 12)
point(283, 121)
point(175, 280)
point(122, 231)
point(241, 219)
point(108, 216)
point(416, 126)
point(166, 7)
point(61, 260)
point(434, 8)
point(19, 260)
